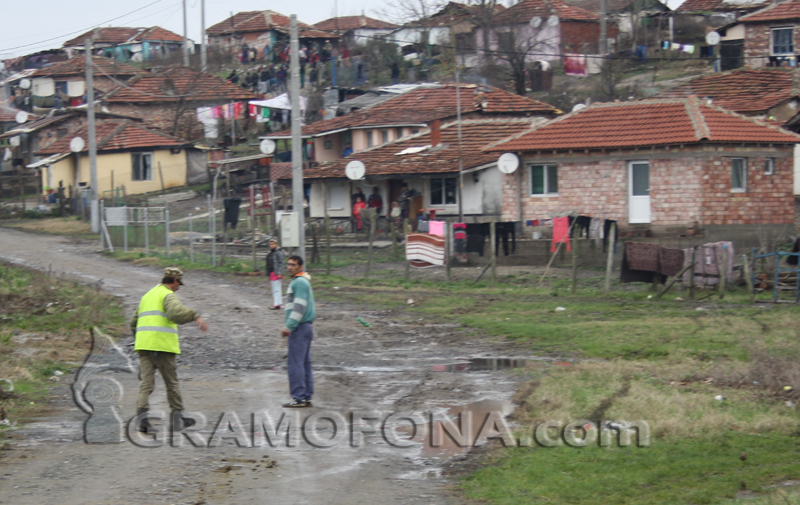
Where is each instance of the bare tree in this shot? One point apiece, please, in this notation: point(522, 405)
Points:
point(485, 12)
point(519, 45)
point(416, 12)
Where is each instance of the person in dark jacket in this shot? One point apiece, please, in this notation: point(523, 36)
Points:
point(276, 268)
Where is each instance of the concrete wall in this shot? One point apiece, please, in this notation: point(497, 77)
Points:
point(74, 171)
point(686, 185)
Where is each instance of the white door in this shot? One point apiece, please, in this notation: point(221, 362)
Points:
point(639, 192)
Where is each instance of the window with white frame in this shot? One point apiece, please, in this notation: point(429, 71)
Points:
point(544, 179)
point(142, 169)
point(739, 175)
point(444, 191)
point(782, 41)
point(769, 166)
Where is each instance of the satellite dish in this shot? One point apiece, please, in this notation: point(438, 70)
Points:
point(25, 84)
point(713, 38)
point(578, 106)
point(508, 163)
point(355, 170)
point(535, 22)
point(21, 116)
point(267, 146)
point(14, 141)
point(76, 145)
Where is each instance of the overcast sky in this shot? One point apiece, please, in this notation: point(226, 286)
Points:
point(34, 25)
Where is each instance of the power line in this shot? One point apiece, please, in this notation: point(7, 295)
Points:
point(80, 31)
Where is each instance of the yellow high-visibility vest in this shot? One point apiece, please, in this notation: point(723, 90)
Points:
point(154, 332)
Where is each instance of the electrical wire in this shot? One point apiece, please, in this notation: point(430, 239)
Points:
point(79, 31)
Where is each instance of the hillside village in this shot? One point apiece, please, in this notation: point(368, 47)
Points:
point(549, 243)
point(368, 87)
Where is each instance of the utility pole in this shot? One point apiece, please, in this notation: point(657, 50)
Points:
point(297, 141)
point(458, 123)
point(95, 206)
point(203, 47)
point(603, 29)
point(185, 38)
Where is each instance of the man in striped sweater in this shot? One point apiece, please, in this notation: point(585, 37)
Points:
point(300, 314)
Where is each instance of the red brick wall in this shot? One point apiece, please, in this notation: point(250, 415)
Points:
point(162, 117)
point(682, 190)
point(758, 42)
point(578, 37)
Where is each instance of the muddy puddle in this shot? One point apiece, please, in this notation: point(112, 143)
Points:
point(492, 364)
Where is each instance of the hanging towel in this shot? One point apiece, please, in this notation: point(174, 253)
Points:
point(436, 228)
point(232, 211)
point(560, 233)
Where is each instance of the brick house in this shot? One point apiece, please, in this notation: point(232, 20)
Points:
point(259, 29)
point(428, 162)
point(768, 36)
point(356, 29)
point(655, 165)
point(129, 44)
point(168, 100)
point(410, 113)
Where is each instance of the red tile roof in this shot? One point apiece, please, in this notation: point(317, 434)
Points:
point(278, 171)
point(611, 5)
point(527, 9)
point(77, 67)
point(174, 84)
point(120, 35)
point(262, 21)
point(777, 12)
point(116, 135)
point(743, 90)
point(7, 115)
point(454, 12)
point(344, 23)
point(719, 5)
point(426, 103)
point(644, 124)
point(385, 160)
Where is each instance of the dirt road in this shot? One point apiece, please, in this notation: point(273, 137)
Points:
point(237, 370)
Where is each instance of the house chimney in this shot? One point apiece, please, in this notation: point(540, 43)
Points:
point(436, 132)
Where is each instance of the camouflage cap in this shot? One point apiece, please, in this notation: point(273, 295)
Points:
point(174, 272)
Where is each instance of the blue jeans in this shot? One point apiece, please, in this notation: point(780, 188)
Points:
point(301, 381)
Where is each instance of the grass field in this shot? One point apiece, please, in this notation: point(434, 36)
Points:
point(44, 328)
point(632, 358)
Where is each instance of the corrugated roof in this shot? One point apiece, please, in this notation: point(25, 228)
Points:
point(644, 124)
point(77, 67)
point(344, 23)
point(742, 90)
point(385, 160)
point(170, 85)
point(116, 135)
point(121, 35)
point(427, 103)
point(776, 12)
point(527, 9)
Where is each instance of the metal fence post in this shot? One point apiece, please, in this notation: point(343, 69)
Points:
point(125, 232)
point(213, 236)
point(146, 234)
point(166, 227)
point(191, 240)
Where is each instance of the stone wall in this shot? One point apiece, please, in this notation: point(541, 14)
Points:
point(758, 41)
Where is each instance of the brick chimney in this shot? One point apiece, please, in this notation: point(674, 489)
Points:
point(436, 132)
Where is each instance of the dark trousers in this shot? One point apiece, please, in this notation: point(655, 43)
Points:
point(301, 381)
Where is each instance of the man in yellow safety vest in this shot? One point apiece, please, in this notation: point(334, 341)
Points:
point(155, 325)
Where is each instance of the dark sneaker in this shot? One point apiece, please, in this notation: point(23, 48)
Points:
point(296, 404)
point(308, 403)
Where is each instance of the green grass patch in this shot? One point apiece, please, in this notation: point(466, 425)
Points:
point(690, 471)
